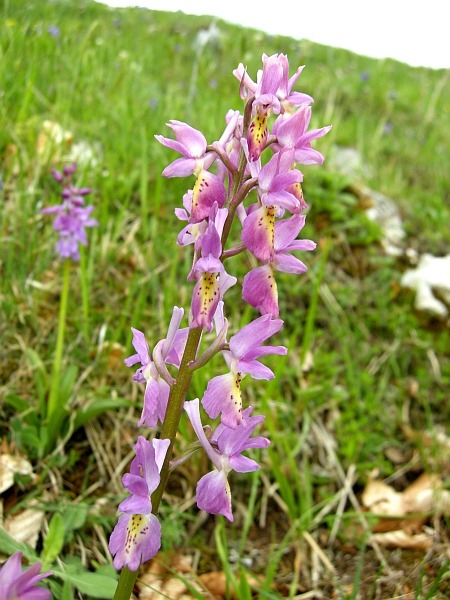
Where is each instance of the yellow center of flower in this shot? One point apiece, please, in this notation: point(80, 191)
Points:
point(208, 291)
point(236, 396)
point(258, 129)
point(137, 526)
point(200, 188)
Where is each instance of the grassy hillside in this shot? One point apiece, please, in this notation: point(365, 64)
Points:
point(380, 373)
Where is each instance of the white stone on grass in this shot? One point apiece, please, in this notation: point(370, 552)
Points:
point(431, 275)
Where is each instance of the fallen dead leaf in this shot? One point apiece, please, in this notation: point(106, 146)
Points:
point(216, 583)
point(159, 581)
point(25, 525)
point(9, 466)
point(396, 527)
point(402, 539)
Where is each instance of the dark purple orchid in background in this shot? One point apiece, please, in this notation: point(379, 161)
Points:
point(54, 31)
point(72, 217)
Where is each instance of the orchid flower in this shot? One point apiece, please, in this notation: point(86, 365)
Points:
point(212, 279)
point(71, 217)
point(223, 393)
point(224, 449)
point(16, 584)
point(137, 535)
point(259, 288)
point(258, 232)
point(292, 132)
point(157, 389)
point(208, 187)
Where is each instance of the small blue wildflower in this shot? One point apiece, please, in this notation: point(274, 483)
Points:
point(54, 31)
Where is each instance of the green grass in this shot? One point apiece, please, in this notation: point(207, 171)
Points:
point(114, 78)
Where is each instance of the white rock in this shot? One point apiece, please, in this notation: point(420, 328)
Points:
point(432, 274)
point(385, 212)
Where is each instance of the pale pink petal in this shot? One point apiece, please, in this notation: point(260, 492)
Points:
point(223, 395)
point(290, 264)
point(192, 409)
point(260, 290)
point(242, 464)
point(182, 167)
point(258, 232)
point(287, 230)
point(214, 495)
point(208, 189)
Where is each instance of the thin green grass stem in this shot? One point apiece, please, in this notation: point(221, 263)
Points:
point(310, 319)
point(144, 184)
point(249, 517)
point(54, 390)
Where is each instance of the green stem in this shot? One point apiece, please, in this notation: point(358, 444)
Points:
point(54, 390)
point(177, 397)
point(84, 294)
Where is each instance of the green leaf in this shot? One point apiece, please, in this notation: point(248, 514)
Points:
point(244, 589)
point(9, 545)
point(67, 591)
point(54, 540)
point(30, 437)
point(40, 375)
point(17, 402)
point(97, 586)
point(74, 517)
point(67, 382)
point(98, 407)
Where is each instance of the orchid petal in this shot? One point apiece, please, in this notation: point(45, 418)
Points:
point(242, 464)
point(214, 495)
point(223, 395)
point(260, 290)
point(135, 540)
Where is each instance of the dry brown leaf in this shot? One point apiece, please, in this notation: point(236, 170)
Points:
point(424, 495)
point(9, 466)
point(159, 582)
point(382, 499)
point(172, 588)
point(216, 583)
point(402, 539)
point(25, 525)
